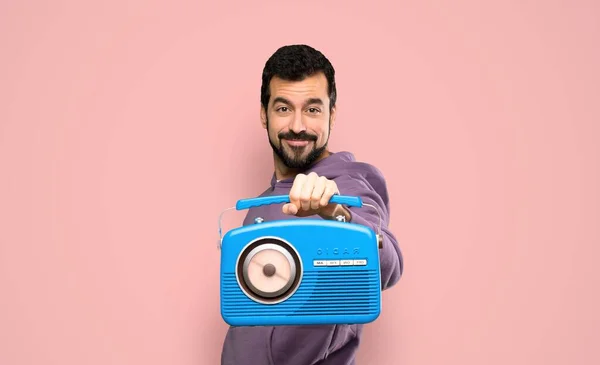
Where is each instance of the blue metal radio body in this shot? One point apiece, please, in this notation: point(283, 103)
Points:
point(299, 271)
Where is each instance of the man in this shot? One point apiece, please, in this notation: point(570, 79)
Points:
point(298, 110)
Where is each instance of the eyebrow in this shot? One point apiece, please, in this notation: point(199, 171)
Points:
point(310, 101)
point(314, 101)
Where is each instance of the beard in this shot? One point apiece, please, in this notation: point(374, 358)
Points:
point(297, 158)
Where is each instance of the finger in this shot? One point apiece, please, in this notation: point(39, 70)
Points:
point(296, 189)
point(307, 190)
point(290, 209)
point(318, 191)
point(330, 190)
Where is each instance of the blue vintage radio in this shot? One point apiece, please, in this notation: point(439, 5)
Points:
point(300, 271)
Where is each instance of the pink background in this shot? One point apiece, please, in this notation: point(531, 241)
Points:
point(126, 127)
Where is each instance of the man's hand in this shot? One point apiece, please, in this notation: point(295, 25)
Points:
point(310, 194)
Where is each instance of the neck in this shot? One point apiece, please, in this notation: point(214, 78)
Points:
point(283, 172)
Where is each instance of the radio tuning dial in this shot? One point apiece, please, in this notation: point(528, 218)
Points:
point(269, 271)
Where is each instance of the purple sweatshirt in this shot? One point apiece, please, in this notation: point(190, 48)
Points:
point(321, 344)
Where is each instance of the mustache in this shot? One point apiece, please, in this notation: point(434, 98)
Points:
point(302, 136)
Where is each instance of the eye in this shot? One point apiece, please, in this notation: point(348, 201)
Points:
point(282, 109)
point(313, 110)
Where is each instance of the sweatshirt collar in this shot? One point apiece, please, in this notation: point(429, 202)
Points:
point(334, 156)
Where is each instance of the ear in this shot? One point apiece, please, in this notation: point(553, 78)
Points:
point(332, 116)
point(263, 116)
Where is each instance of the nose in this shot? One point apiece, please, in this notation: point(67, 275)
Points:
point(297, 125)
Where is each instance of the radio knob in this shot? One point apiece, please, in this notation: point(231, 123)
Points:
point(340, 218)
point(258, 220)
point(269, 270)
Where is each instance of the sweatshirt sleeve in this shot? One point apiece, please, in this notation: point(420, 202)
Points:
point(374, 192)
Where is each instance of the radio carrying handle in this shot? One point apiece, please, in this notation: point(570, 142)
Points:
point(351, 201)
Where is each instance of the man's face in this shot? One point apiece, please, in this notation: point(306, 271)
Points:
point(298, 120)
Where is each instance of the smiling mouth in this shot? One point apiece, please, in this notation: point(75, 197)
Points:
point(297, 142)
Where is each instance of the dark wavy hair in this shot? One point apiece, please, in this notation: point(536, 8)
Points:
point(294, 63)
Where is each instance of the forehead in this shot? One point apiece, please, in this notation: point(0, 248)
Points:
point(314, 86)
